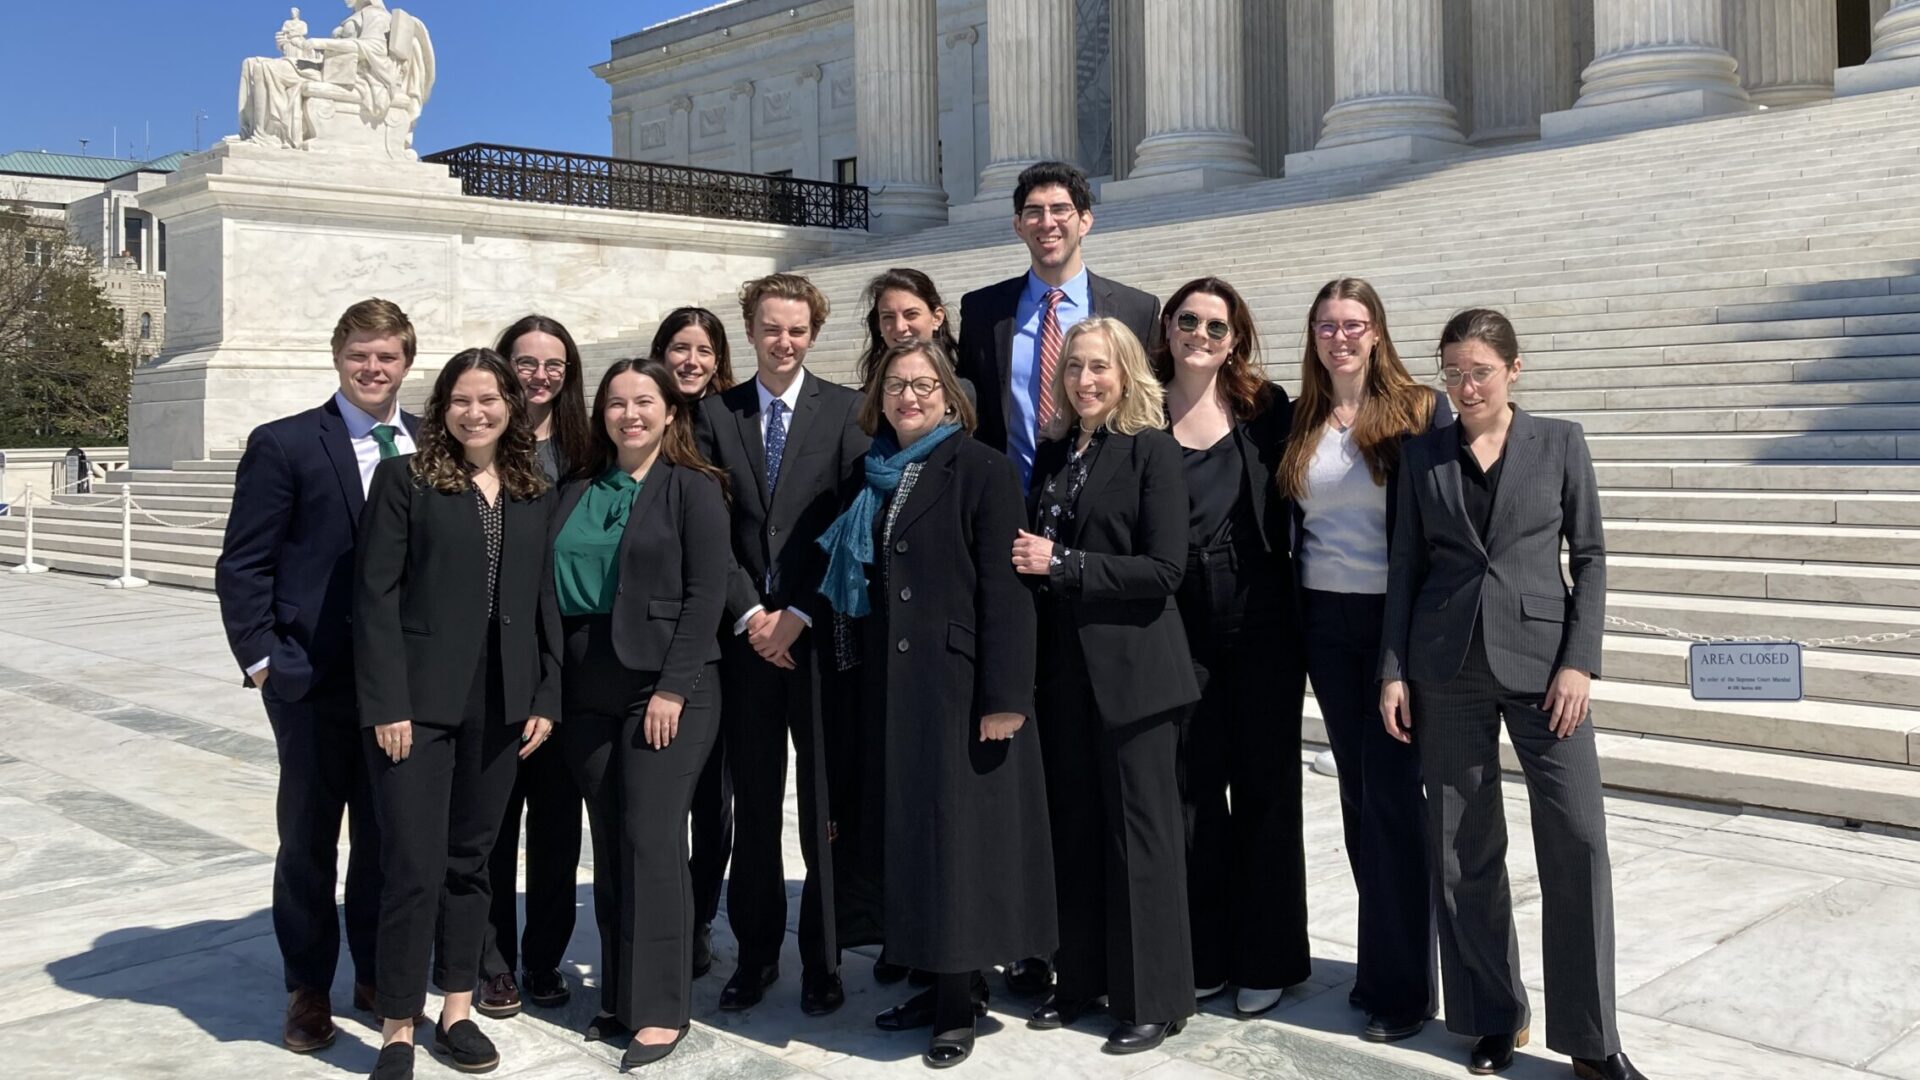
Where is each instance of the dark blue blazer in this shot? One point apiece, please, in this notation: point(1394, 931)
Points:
point(285, 575)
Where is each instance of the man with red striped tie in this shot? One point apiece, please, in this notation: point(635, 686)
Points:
point(1010, 336)
point(1010, 333)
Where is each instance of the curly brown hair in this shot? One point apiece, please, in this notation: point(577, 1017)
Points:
point(440, 461)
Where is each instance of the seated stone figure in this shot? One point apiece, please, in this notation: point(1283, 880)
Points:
point(359, 91)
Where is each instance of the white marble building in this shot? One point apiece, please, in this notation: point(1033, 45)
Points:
point(1161, 96)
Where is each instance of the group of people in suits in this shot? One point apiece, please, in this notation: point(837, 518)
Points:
point(1035, 607)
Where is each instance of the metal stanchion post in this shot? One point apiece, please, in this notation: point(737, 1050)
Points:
point(126, 580)
point(27, 565)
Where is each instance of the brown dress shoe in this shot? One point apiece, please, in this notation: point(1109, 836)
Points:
point(309, 1024)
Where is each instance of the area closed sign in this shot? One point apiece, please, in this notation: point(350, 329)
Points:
point(1744, 671)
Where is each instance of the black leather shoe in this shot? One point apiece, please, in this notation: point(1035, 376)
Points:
point(498, 997)
point(1494, 1053)
point(547, 989)
point(639, 1054)
point(466, 1047)
point(1616, 1067)
point(702, 949)
point(1030, 976)
point(918, 1010)
point(949, 1048)
point(747, 987)
point(887, 974)
point(395, 1062)
point(1134, 1038)
point(1057, 1012)
point(606, 1027)
point(821, 994)
point(1386, 1029)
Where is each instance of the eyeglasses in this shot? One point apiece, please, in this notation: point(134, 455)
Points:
point(1188, 322)
point(922, 388)
point(1478, 376)
point(553, 369)
point(1059, 211)
point(1352, 328)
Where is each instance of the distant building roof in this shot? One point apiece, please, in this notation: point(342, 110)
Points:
point(81, 167)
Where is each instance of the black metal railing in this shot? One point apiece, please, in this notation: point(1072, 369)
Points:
point(546, 176)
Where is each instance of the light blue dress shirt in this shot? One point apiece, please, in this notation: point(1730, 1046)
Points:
point(1023, 370)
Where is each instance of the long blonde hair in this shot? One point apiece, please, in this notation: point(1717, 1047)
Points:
point(1142, 399)
point(1396, 406)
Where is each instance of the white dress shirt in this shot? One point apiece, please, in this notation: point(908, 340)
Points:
point(791, 398)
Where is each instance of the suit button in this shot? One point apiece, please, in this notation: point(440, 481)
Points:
point(900, 546)
point(906, 594)
point(506, 620)
point(902, 646)
point(773, 530)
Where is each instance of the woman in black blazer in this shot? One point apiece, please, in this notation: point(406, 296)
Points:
point(1246, 864)
point(1357, 405)
point(1108, 550)
point(640, 558)
point(1476, 579)
point(951, 819)
point(454, 675)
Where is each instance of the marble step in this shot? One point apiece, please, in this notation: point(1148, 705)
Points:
point(1703, 419)
point(211, 478)
point(1758, 446)
point(201, 505)
point(1821, 477)
point(144, 490)
point(1736, 395)
point(1726, 617)
point(1809, 508)
point(47, 527)
point(47, 542)
point(1826, 674)
point(1851, 544)
point(1759, 579)
point(222, 465)
point(191, 577)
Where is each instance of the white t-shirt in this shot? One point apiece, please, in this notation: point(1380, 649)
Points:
point(1344, 532)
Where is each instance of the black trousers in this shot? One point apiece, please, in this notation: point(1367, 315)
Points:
point(545, 789)
point(1382, 806)
point(322, 773)
point(712, 834)
point(638, 799)
point(1457, 728)
point(761, 707)
point(1246, 861)
point(1119, 850)
point(439, 811)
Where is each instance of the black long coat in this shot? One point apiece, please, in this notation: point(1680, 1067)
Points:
point(967, 849)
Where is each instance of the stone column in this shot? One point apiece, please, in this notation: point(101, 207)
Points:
point(1032, 96)
point(806, 112)
point(1389, 86)
point(959, 114)
point(1196, 101)
point(1128, 22)
point(1525, 43)
point(1266, 69)
point(1895, 62)
point(740, 123)
point(1787, 49)
point(1309, 71)
point(897, 113)
point(1655, 62)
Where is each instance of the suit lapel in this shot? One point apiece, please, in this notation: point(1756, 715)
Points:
point(1105, 464)
point(806, 409)
point(1258, 480)
point(746, 414)
point(568, 500)
point(1446, 473)
point(1519, 460)
point(1007, 308)
point(657, 479)
point(346, 465)
point(935, 477)
point(412, 423)
point(1099, 294)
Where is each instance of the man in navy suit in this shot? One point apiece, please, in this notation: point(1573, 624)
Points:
point(285, 582)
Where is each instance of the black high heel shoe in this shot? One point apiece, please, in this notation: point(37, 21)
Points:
point(639, 1054)
point(1494, 1053)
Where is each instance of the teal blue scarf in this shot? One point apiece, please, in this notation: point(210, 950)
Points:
point(848, 542)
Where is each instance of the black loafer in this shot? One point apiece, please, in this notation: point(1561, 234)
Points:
point(702, 949)
point(395, 1062)
point(547, 989)
point(1616, 1067)
point(918, 1010)
point(1030, 976)
point(1387, 1029)
point(639, 1054)
point(949, 1048)
point(1494, 1053)
point(747, 987)
point(821, 994)
point(1058, 1012)
point(1135, 1038)
point(467, 1047)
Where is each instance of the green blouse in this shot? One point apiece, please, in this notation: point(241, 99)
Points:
point(586, 553)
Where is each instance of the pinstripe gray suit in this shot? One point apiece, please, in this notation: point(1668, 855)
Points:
point(1494, 620)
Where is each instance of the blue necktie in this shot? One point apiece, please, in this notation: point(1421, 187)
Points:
point(776, 442)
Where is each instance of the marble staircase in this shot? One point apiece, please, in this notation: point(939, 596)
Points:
point(1731, 309)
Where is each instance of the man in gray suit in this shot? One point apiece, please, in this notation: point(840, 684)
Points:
point(1474, 576)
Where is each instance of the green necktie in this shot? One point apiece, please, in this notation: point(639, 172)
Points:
point(383, 434)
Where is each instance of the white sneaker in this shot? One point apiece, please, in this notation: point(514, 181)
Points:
point(1202, 993)
point(1250, 1002)
point(1323, 764)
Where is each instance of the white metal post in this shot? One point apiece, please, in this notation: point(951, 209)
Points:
point(126, 580)
point(27, 565)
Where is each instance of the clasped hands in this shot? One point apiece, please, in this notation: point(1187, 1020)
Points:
point(772, 634)
point(1568, 698)
point(396, 739)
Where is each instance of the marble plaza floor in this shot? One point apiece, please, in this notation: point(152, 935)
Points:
point(136, 841)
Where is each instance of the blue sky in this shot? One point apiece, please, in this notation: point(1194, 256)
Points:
point(510, 72)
